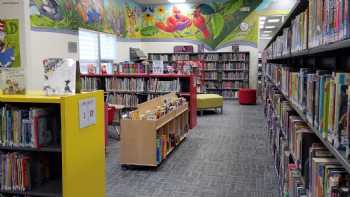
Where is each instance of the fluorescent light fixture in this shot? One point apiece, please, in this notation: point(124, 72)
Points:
point(262, 22)
point(273, 20)
point(262, 18)
point(265, 38)
point(261, 26)
point(270, 27)
point(267, 32)
point(265, 35)
point(177, 1)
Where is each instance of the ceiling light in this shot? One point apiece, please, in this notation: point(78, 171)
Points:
point(265, 38)
point(273, 20)
point(270, 27)
point(261, 26)
point(265, 35)
point(177, 1)
point(266, 32)
point(262, 18)
point(262, 22)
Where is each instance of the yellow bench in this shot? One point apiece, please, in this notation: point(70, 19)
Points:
point(209, 101)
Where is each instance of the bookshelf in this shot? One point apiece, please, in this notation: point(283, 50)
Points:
point(131, 94)
point(223, 73)
point(311, 48)
point(73, 170)
point(149, 142)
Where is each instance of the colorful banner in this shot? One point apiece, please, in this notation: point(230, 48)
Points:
point(9, 43)
point(215, 24)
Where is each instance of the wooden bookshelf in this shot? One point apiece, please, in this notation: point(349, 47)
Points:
point(78, 161)
point(139, 137)
point(219, 59)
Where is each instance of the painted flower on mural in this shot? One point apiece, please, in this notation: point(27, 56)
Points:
point(160, 10)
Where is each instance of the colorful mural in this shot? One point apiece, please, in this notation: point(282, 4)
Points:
point(215, 23)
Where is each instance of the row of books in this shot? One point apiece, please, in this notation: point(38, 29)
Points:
point(128, 100)
point(226, 85)
point(235, 66)
point(305, 167)
point(209, 57)
point(235, 75)
point(89, 84)
point(23, 172)
point(33, 127)
point(329, 21)
point(156, 85)
point(170, 57)
point(323, 97)
point(211, 66)
point(126, 84)
point(128, 68)
point(211, 75)
point(323, 22)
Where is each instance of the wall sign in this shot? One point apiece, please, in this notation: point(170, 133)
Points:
point(87, 112)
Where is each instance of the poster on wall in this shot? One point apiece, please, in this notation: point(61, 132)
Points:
point(12, 80)
point(60, 76)
point(9, 43)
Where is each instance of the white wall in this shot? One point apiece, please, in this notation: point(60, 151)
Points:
point(45, 45)
point(123, 49)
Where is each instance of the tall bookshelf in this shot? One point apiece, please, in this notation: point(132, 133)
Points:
point(224, 73)
point(75, 160)
point(312, 42)
point(141, 92)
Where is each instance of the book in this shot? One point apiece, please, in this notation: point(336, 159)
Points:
point(59, 76)
point(12, 81)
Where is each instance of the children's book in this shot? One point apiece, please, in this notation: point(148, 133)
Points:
point(60, 76)
point(12, 81)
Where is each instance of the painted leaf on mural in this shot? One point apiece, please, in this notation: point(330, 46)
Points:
point(206, 9)
point(217, 24)
point(149, 31)
point(231, 7)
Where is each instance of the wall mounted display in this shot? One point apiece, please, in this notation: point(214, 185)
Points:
point(9, 43)
point(215, 24)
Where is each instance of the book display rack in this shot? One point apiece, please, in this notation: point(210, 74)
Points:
point(154, 130)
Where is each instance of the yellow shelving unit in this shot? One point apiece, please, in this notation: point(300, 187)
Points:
point(82, 150)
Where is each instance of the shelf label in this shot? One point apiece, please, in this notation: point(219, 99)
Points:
point(87, 112)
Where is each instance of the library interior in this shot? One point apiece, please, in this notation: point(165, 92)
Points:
point(174, 98)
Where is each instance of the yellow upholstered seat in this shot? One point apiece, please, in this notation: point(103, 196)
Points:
point(207, 101)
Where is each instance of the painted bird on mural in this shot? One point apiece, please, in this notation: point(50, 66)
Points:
point(200, 22)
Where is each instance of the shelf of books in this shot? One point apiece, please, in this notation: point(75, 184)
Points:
point(315, 29)
point(38, 144)
point(130, 85)
point(222, 73)
point(150, 133)
point(308, 126)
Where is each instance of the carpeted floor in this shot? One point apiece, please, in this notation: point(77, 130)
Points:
point(224, 156)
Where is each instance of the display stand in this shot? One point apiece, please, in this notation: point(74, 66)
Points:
point(139, 138)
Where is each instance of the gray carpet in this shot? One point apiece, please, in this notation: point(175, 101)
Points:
point(224, 156)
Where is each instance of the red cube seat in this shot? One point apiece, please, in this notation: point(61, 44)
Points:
point(247, 96)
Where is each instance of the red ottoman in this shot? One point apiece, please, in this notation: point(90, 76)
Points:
point(247, 96)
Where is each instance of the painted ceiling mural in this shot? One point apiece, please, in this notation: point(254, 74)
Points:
point(214, 23)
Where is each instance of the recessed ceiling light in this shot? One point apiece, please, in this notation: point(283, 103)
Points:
point(266, 32)
point(273, 20)
point(270, 27)
point(261, 26)
point(177, 1)
point(262, 18)
point(265, 38)
point(262, 22)
point(265, 35)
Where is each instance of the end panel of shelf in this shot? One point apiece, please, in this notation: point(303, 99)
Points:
point(83, 149)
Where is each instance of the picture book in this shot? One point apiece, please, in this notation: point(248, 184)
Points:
point(106, 68)
point(341, 101)
point(10, 56)
point(12, 81)
point(59, 75)
point(325, 109)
